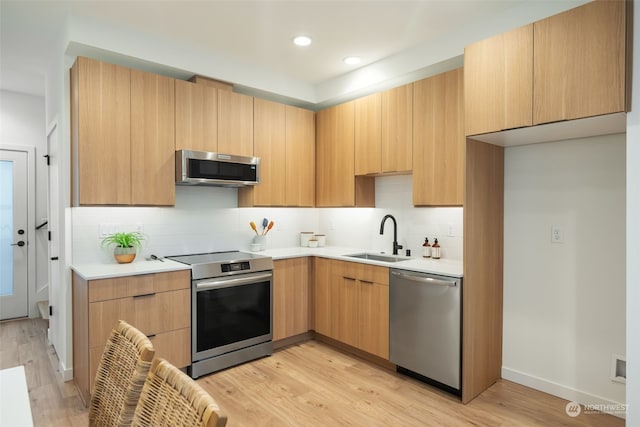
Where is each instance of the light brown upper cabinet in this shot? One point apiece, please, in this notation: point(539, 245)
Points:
point(284, 139)
point(113, 162)
point(498, 81)
point(152, 139)
point(579, 62)
point(569, 66)
point(438, 140)
point(336, 183)
point(235, 123)
point(397, 132)
point(300, 157)
point(196, 117)
point(368, 134)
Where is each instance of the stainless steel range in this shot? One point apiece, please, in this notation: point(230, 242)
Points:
point(231, 310)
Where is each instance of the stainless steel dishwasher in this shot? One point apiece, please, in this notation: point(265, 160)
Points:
point(424, 328)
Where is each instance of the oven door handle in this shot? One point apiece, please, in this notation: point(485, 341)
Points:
point(223, 283)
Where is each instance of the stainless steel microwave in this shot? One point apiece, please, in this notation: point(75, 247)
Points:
point(216, 169)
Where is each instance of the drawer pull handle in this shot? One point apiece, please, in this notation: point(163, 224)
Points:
point(144, 295)
point(151, 336)
point(367, 282)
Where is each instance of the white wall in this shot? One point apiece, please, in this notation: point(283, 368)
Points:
point(22, 123)
point(564, 302)
point(633, 236)
point(206, 219)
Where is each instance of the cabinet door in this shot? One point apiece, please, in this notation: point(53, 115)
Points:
point(344, 310)
point(321, 296)
point(152, 139)
point(101, 133)
point(235, 123)
point(196, 116)
point(290, 297)
point(368, 134)
point(579, 62)
point(373, 319)
point(397, 138)
point(269, 145)
point(335, 182)
point(498, 82)
point(438, 140)
point(300, 172)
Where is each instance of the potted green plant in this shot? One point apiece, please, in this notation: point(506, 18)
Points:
point(126, 245)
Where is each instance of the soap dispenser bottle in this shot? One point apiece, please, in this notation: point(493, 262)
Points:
point(426, 248)
point(435, 250)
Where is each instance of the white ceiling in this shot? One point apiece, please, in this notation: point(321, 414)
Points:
point(249, 42)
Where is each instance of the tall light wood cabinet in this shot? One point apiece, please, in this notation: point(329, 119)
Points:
point(438, 140)
point(336, 183)
point(284, 139)
point(397, 131)
point(498, 82)
point(235, 123)
point(122, 136)
point(579, 62)
point(368, 134)
point(100, 133)
point(196, 121)
point(156, 304)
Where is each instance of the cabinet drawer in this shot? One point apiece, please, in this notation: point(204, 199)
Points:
point(359, 271)
point(120, 287)
point(151, 314)
point(175, 346)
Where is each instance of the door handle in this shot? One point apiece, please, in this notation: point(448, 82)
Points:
point(20, 243)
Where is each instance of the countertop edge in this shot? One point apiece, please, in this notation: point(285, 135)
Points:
point(443, 267)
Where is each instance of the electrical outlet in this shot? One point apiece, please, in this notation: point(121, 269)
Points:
point(107, 230)
point(557, 234)
point(450, 230)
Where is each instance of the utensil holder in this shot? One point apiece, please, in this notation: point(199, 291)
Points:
point(262, 241)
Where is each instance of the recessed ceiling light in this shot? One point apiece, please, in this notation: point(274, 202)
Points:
point(352, 60)
point(302, 41)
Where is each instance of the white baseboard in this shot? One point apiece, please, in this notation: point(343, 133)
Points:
point(66, 373)
point(563, 391)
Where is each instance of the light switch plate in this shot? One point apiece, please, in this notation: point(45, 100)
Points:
point(557, 234)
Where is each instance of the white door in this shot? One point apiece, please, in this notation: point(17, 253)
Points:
point(13, 234)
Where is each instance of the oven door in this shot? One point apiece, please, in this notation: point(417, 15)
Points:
point(231, 313)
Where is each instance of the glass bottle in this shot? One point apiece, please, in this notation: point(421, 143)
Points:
point(435, 250)
point(426, 249)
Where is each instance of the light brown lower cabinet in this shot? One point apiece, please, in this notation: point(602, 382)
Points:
point(156, 304)
point(351, 304)
point(290, 297)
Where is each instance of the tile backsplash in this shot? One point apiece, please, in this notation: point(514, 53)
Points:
point(206, 219)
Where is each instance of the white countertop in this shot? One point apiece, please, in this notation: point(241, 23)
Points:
point(445, 267)
point(103, 271)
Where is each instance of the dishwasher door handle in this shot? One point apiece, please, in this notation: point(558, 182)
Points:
point(425, 279)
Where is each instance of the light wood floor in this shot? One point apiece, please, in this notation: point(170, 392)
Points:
point(304, 385)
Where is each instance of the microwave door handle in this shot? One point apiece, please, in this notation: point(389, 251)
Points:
point(225, 283)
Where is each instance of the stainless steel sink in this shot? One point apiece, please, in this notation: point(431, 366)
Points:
point(378, 257)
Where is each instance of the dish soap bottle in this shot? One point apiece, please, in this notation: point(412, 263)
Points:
point(426, 248)
point(435, 250)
